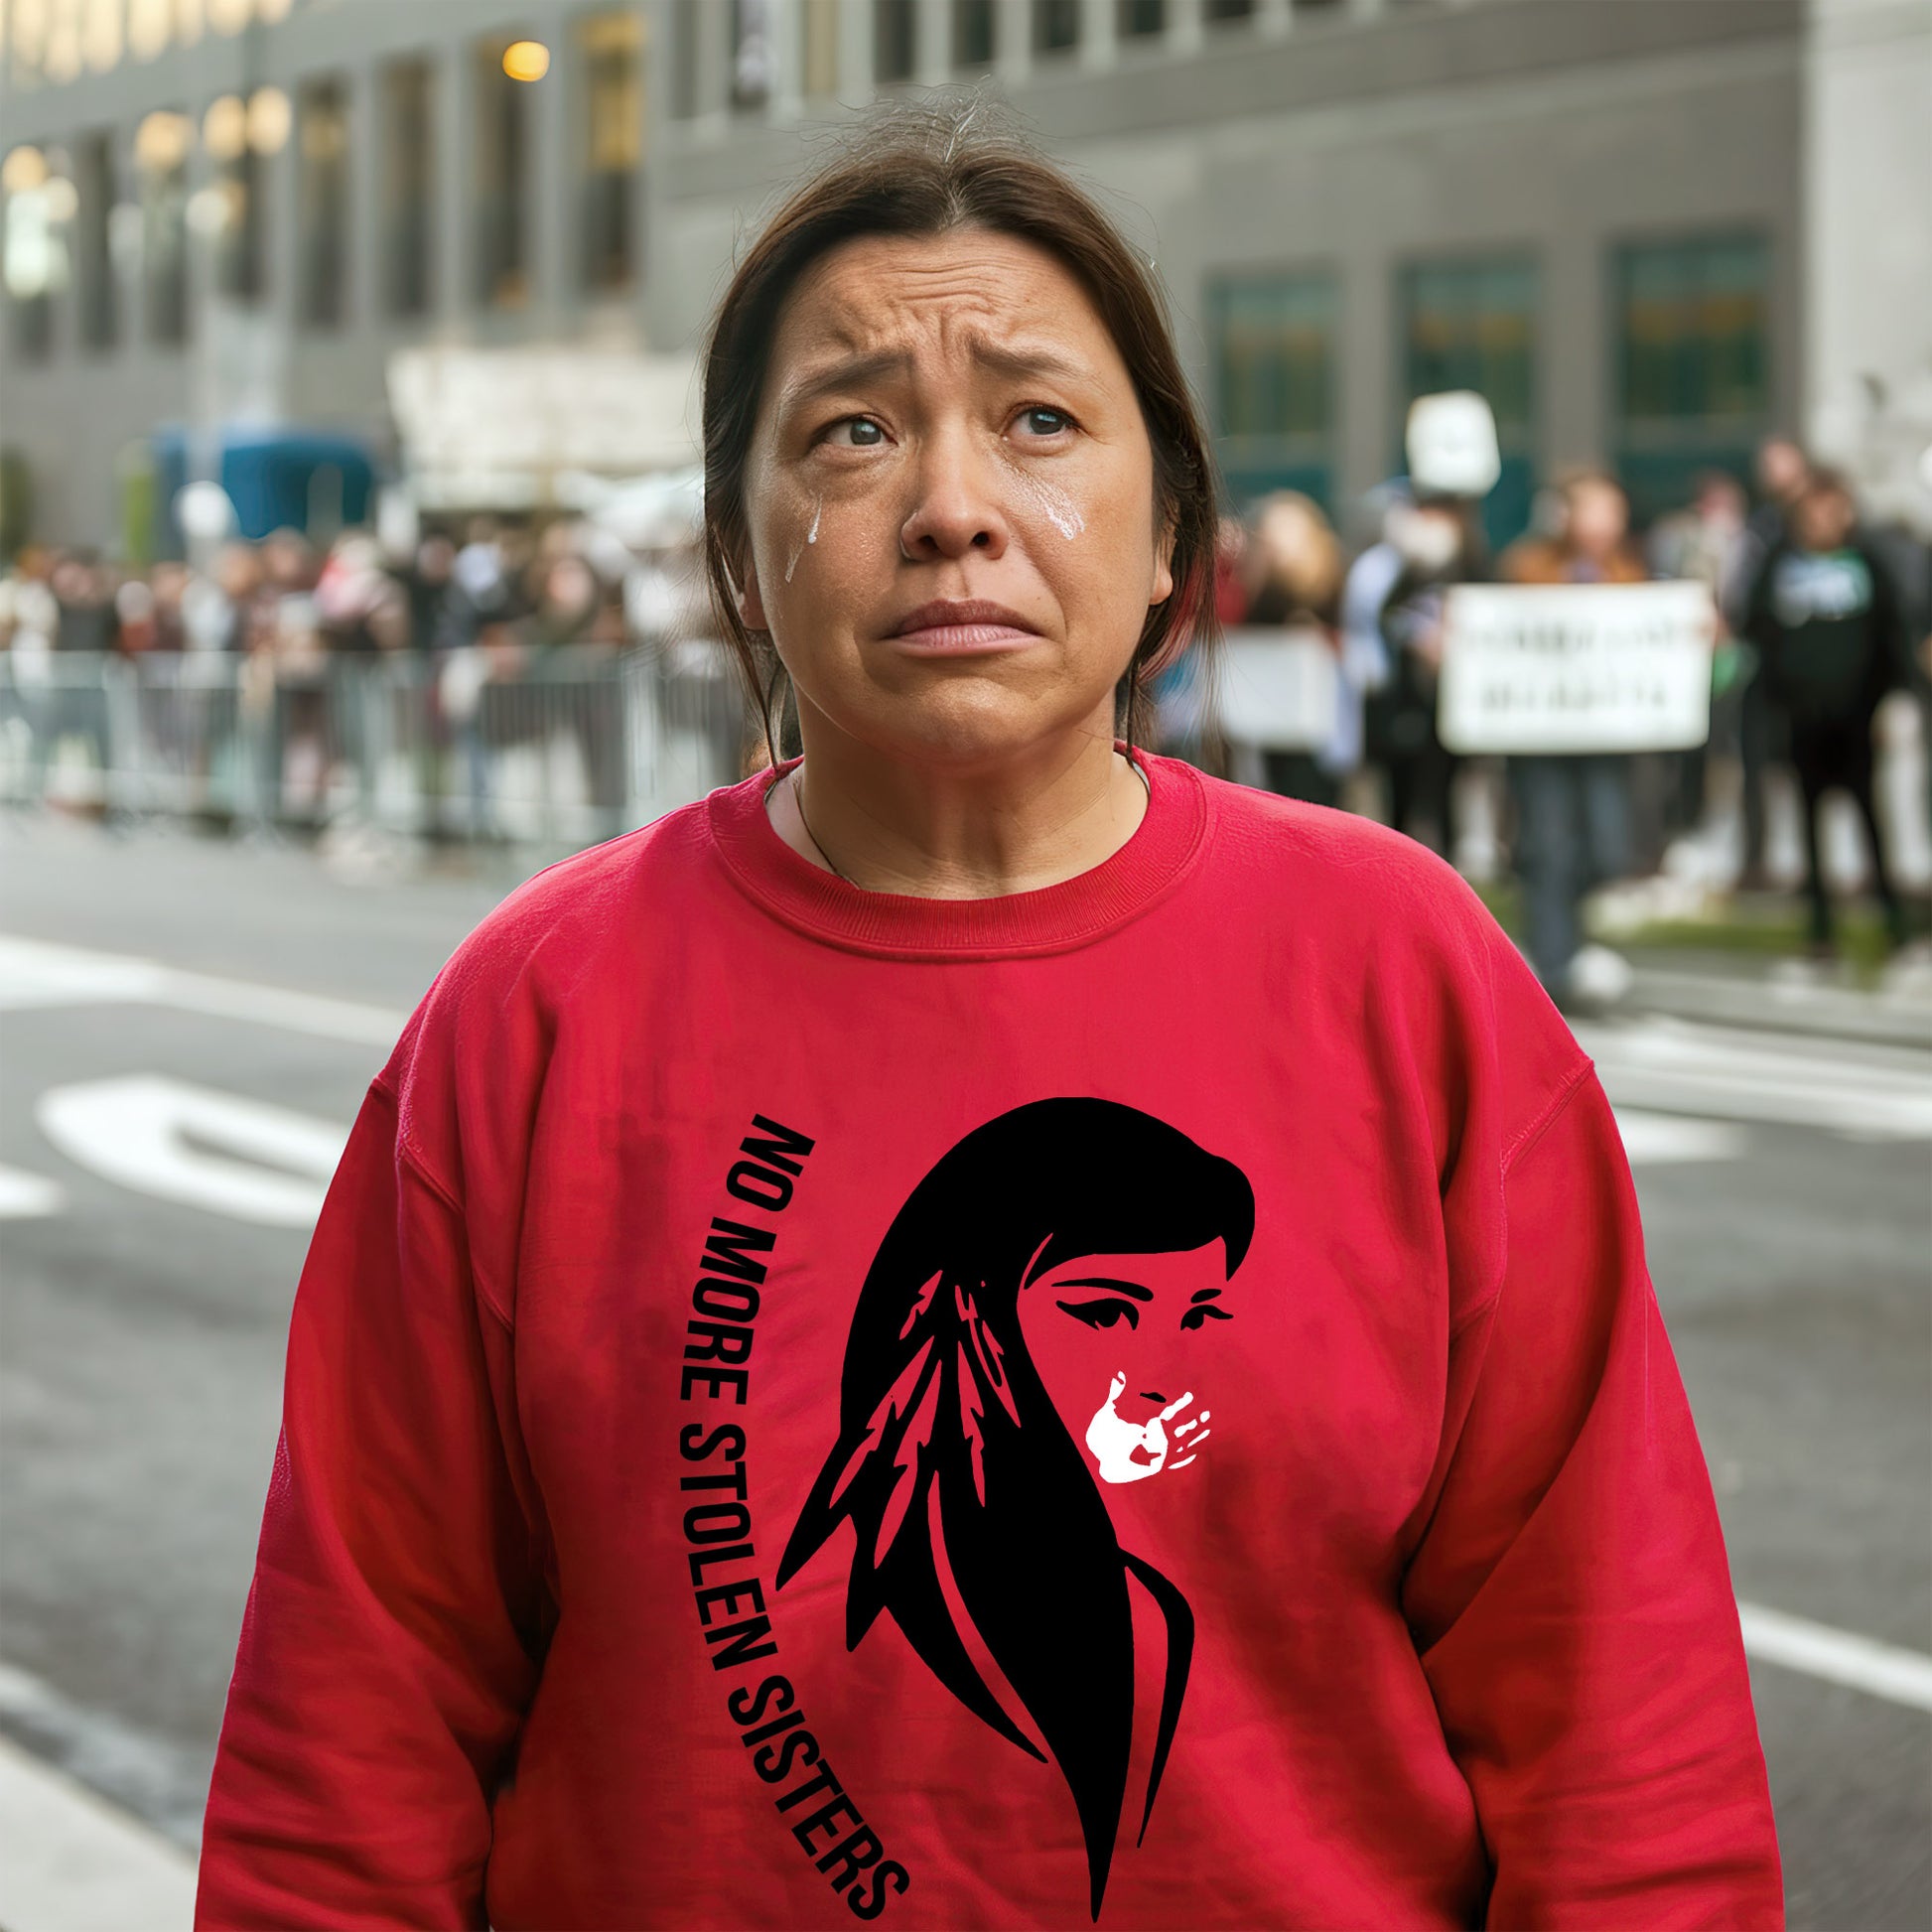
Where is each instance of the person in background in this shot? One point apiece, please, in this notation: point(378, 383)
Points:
point(1184, 721)
point(169, 582)
point(1440, 545)
point(1573, 811)
point(359, 606)
point(1295, 574)
point(1365, 661)
point(1782, 473)
point(88, 626)
point(84, 591)
point(1702, 544)
point(134, 615)
point(1828, 623)
point(426, 583)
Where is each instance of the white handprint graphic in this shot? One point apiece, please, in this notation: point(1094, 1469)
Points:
point(1127, 1451)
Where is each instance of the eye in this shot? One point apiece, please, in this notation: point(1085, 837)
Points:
point(1104, 1313)
point(1043, 421)
point(1199, 1317)
point(866, 434)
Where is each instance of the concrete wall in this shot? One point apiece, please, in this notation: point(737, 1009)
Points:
point(1867, 210)
point(1357, 136)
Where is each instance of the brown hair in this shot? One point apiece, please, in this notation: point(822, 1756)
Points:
point(920, 171)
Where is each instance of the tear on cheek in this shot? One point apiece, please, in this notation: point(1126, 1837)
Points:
point(797, 550)
point(1053, 503)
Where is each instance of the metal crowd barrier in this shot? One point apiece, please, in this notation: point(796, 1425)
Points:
point(556, 750)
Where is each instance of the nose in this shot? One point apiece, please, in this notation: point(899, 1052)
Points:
point(956, 510)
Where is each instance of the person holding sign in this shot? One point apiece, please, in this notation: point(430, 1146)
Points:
point(1573, 811)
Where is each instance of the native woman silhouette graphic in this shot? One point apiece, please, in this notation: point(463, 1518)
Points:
point(1026, 1337)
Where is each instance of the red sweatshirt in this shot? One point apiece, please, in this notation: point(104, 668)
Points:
point(1137, 1401)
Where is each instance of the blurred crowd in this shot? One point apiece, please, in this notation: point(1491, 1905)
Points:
point(515, 588)
point(1821, 617)
point(496, 635)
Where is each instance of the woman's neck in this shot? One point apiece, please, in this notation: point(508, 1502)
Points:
point(967, 831)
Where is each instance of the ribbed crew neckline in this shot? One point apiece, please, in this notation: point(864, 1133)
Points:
point(1053, 919)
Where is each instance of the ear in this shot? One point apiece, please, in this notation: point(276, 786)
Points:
point(1162, 587)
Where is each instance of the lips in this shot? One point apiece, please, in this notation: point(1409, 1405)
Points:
point(951, 626)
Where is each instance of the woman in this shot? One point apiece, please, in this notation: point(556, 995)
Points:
point(1297, 577)
point(1574, 811)
point(751, 1191)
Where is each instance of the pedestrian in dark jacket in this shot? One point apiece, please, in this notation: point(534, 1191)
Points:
point(1826, 617)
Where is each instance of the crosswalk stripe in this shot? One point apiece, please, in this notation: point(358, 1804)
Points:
point(1681, 1067)
point(1882, 1669)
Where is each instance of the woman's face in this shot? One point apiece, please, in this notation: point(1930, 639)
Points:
point(947, 421)
point(1127, 1345)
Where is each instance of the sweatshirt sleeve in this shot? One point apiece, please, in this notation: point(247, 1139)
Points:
point(1569, 1594)
point(391, 1637)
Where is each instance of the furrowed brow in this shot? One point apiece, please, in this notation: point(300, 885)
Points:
point(852, 372)
point(1021, 364)
point(1134, 1288)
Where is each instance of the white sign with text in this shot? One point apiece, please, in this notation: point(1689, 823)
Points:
point(1279, 688)
point(1575, 667)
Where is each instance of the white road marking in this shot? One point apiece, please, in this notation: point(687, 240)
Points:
point(35, 974)
point(28, 1196)
point(1843, 1086)
point(71, 1861)
point(179, 1143)
point(1662, 1139)
point(1882, 1669)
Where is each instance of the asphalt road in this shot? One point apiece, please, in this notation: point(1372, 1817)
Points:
point(1784, 1182)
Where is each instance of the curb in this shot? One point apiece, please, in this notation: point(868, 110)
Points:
point(1775, 1006)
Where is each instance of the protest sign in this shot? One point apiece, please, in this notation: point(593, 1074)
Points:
point(1575, 667)
point(1277, 689)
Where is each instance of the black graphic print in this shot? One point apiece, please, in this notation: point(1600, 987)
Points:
point(950, 1445)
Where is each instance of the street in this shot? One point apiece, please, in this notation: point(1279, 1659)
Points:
point(189, 1030)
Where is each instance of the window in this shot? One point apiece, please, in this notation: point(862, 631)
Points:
point(322, 198)
point(1057, 26)
point(819, 26)
point(972, 33)
point(751, 53)
point(26, 48)
point(148, 28)
point(1471, 324)
point(1141, 19)
point(1692, 378)
point(1217, 11)
point(1272, 339)
point(502, 225)
point(891, 40)
point(408, 187)
point(687, 30)
point(161, 169)
point(99, 318)
point(613, 143)
point(33, 259)
point(61, 58)
point(238, 270)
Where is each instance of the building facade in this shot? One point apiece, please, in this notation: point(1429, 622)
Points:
point(1649, 233)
